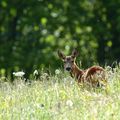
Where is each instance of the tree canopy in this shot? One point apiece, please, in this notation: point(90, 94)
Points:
point(32, 31)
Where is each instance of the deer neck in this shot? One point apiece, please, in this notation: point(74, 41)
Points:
point(76, 72)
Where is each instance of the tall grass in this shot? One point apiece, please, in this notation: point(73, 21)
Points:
point(59, 97)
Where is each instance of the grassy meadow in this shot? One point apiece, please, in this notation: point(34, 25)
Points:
point(59, 97)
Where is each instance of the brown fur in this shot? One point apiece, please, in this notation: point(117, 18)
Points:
point(94, 75)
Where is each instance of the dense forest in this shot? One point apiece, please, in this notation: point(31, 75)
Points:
point(32, 31)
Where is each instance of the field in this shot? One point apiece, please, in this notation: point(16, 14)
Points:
point(59, 97)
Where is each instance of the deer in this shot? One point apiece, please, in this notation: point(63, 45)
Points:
point(93, 76)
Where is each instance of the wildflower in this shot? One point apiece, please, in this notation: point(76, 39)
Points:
point(44, 76)
point(19, 74)
point(57, 71)
point(69, 103)
point(35, 73)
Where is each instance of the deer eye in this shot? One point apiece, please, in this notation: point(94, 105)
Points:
point(72, 61)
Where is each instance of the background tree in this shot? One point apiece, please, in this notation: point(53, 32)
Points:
point(32, 31)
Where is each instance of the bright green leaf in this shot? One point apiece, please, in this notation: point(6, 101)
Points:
point(4, 3)
point(43, 21)
point(13, 11)
point(109, 43)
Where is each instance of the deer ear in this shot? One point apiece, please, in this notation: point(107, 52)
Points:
point(61, 55)
point(75, 53)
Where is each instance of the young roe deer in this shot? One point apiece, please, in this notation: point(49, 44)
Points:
point(94, 76)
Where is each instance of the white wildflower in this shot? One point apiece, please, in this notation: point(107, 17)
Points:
point(69, 103)
point(35, 72)
point(44, 76)
point(19, 74)
point(57, 71)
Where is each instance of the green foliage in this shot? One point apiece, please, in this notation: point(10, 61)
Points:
point(32, 31)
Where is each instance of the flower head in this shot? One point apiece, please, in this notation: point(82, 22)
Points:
point(69, 103)
point(19, 74)
point(57, 71)
point(35, 72)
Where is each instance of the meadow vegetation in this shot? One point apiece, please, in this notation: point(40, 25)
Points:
point(58, 96)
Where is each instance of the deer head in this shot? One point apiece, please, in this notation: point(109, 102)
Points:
point(69, 61)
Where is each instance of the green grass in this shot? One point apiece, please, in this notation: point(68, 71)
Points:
point(59, 97)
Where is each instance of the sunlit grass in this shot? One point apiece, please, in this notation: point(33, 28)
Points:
point(60, 97)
